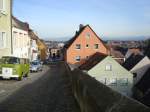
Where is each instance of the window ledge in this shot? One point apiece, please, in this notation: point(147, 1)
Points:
point(3, 12)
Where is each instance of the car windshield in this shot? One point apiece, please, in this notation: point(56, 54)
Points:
point(34, 63)
point(10, 60)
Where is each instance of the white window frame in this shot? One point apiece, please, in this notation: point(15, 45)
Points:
point(102, 80)
point(108, 67)
point(123, 81)
point(96, 46)
point(4, 39)
point(3, 9)
point(112, 82)
point(78, 58)
point(15, 35)
point(87, 46)
point(77, 45)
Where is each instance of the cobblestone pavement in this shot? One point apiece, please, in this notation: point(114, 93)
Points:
point(7, 87)
point(49, 92)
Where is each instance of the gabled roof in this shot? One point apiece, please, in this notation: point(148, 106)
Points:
point(144, 63)
point(116, 54)
point(92, 61)
point(33, 35)
point(140, 68)
point(135, 51)
point(69, 43)
point(132, 61)
point(19, 24)
point(144, 83)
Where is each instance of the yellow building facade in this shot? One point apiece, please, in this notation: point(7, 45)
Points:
point(5, 27)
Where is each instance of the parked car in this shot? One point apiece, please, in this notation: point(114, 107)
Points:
point(14, 67)
point(36, 66)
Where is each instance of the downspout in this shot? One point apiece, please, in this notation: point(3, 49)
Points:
point(11, 4)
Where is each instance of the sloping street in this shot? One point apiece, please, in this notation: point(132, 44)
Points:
point(47, 91)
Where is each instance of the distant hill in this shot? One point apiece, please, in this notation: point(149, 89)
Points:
point(57, 39)
point(103, 38)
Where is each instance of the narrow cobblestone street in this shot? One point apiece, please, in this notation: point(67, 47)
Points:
point(50, 92)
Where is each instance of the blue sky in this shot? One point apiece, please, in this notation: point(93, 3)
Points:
point(114, 19)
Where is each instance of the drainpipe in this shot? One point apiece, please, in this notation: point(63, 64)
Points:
point(11, 5)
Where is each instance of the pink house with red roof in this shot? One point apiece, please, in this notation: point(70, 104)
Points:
point(84, 44)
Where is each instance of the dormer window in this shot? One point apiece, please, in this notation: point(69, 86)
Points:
point(78, 46)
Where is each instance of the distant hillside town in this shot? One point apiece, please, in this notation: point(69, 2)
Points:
point(121, 68)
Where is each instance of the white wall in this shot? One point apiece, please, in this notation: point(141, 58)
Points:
point(21, 43)
point(34, 47)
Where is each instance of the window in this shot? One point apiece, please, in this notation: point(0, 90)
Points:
point(78, 58)
point(10, 60)
point(2, 6)
point(78, 46)
point(134, 75)
point(108, 67)
point(102, 80)
point(96, 46)
point(87, 45)
point(112, 82)
point(2, 39)
point(124, 81)
point(15, 38)
point(88, 35)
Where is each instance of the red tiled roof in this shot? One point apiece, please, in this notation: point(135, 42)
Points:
point(33, 35)
point(19, 24)
point(135, 51)
point(116, 54)
point(69, 42)
point(92, 61)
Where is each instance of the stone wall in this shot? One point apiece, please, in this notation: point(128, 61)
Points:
point(92, 96)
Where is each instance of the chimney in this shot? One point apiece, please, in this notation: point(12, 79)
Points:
point(81, 26)
point(27, 26)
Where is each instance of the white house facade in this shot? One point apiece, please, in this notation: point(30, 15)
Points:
point(34, 50)
point(21, 39)
point(108, 71)
point(33, 46)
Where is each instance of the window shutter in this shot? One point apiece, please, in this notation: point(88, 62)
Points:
point(4, 39)
point(1, 5)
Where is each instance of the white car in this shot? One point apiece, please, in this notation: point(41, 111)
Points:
point(36, 66)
